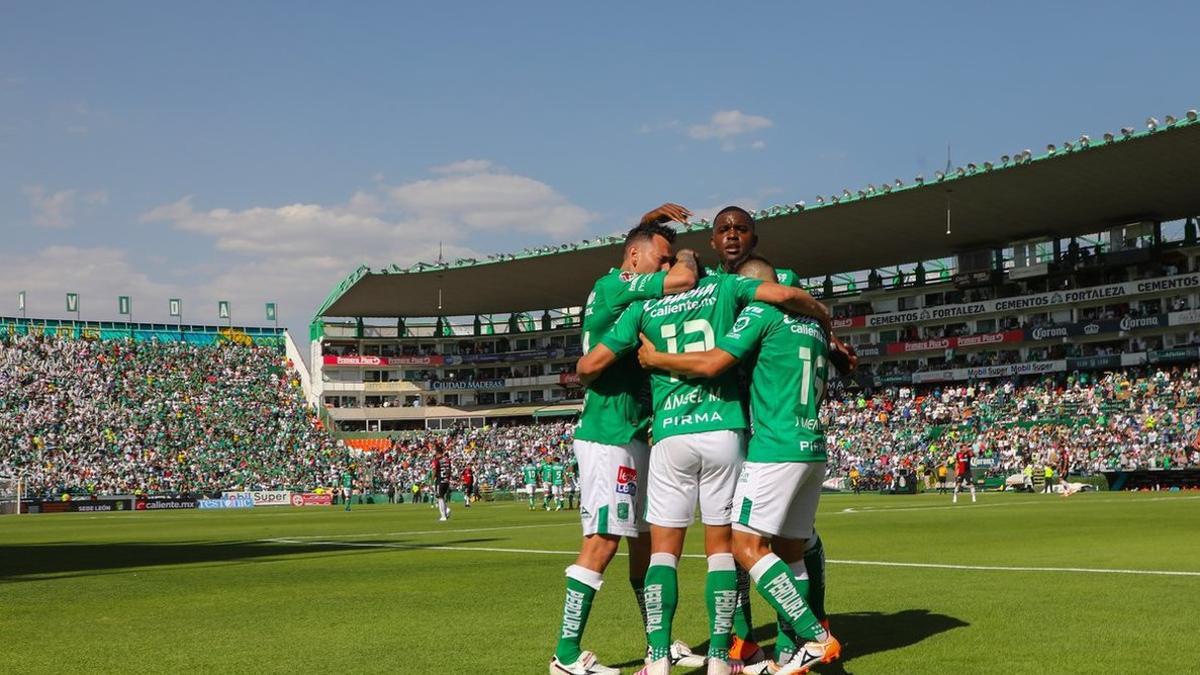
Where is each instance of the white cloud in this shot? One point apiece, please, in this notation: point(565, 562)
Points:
point(726, 124)
point(99, 275)
point(50, 209)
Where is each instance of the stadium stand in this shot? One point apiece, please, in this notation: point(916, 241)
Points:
point(120, 416)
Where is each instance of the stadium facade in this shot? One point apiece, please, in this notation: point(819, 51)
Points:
point(1083, 258)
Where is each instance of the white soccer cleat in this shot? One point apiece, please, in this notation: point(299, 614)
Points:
point(811, 654)
point(584, 665)
point(719, 667)
point(659, 667)
point(765, 667)
point(681, 655)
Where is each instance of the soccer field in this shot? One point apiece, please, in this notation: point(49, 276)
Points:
point(1013, 584)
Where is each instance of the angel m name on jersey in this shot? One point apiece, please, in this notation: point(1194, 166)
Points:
point(697, 395)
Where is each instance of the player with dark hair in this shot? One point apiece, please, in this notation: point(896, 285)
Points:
point(468, 485)
point(610, 440)
point(776, 496)
point(441, 480)
point(962, 472)
point(735, 240)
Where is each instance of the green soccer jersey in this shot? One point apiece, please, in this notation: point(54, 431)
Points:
point(556, 474)
point(783, 276)
point(787, 382)
point(347, 479)
point(687, 322)
point(613, 410)
point(547, 473)
point(529, 472)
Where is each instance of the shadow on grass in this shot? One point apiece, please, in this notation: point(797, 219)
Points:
point(863, 633)
point(40, 561)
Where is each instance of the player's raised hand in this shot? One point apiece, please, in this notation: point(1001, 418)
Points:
point(842, 356)
point(665, 213)
point(646, 352)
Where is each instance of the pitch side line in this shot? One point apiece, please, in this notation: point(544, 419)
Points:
point(1024, 502)
point(875, 563)
point(419, 532)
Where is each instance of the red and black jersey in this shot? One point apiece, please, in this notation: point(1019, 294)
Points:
point(962, 462)
point(468, 476)
point(441, 470)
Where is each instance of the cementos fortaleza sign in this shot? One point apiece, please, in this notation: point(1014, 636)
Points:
point(1179, 282)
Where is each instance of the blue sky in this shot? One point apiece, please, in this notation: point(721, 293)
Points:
point(261, 152)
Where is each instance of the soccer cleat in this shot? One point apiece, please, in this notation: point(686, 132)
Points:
point(584, 665)
point(659, 667)
point(811, 654)
point(681, 655)
point(766, 667)
point(719, 667)
point(746, 651)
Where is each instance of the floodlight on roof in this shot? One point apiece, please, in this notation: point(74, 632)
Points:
point(1151, 123)
point(763, 213)
point(987, 166)
point(1050, 149)
point(939, 175)
point(960, 172)
point(1026, 155)
point(833, 198)
point(862, 194)
point(845, 192)
point(1170, 120)
point(1108, 137)
point(886, 187)
point(1085, 140)
point(1004, 159)
point(1191, 115)
point(971, 167)
point(799, 205)
point(1067, 147)
point(820, 199)
point(919, 179)
point(899, 183)
point(1126, 131)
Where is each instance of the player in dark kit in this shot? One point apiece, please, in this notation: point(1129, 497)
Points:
point(468, 483)
point(441, 478)
point(962, 472)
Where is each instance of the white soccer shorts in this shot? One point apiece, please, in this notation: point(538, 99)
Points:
point(556, 491)
point(529, 488)
point(612, 480)
point(778, 499)
point(689, 467)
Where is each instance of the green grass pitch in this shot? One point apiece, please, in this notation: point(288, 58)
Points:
point(388, 588)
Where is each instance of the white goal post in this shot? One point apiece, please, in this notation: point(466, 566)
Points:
point(12, 491)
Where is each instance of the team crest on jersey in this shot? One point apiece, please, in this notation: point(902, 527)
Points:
point(628, 276)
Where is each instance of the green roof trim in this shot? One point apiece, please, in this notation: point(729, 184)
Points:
point(337, 292)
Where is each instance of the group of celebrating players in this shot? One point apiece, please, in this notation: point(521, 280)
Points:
point(557, 481)
point(736, 359)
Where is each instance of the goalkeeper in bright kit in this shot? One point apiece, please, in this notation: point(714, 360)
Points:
point(610, 440)
point(699, 427)
point(776, 498)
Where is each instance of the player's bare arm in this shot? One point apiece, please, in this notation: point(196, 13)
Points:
point(684, 274)
point(795, 301)
point(707, 364)
point(592, 364)
point(666, 213)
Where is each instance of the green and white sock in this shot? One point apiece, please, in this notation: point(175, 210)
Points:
point(779, 588)
point(639, 592)
point(721, 595)
point(582, 585)
point(814, 561)
point(785, 643)
point(743, 623)
point(662, 596)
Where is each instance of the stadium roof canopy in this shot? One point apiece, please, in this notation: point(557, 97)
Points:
point(1073, 189)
